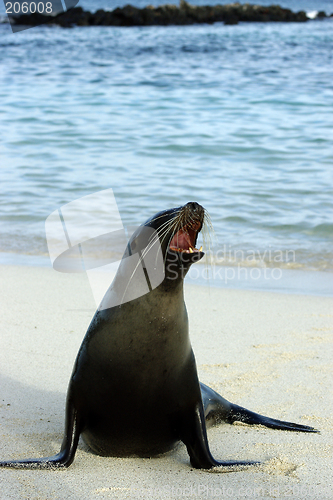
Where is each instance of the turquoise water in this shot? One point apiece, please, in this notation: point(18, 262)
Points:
point(238, 118)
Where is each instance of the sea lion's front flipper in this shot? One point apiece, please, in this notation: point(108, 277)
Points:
point(193, 434)
point(68, 448)
point(219, 409)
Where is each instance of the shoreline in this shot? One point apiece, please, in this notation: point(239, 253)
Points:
point(266, 351)
point(264, 279)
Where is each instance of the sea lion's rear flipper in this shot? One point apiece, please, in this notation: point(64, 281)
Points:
point(192, 432)
point(68, 448)
point(219, 409)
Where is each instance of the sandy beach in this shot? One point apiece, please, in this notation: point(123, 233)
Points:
point(269, 352)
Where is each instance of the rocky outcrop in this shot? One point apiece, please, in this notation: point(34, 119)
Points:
point(166, 15)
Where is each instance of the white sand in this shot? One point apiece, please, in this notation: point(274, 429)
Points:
point(269, 352)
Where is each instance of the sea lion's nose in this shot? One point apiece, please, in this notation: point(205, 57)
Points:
point(195, 209)
point(194, 206)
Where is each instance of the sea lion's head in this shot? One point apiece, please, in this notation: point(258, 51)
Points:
point(173, 233)
point(159, 253)
point(178, 230)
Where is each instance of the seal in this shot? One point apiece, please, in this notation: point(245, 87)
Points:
point(134, 389)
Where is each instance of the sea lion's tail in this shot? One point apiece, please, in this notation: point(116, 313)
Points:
point(67, 452)
point(239, 414)
point(219, 409)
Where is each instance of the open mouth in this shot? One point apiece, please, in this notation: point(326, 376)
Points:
point(185, 239)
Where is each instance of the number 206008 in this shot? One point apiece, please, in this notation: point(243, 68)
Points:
point(28, 7)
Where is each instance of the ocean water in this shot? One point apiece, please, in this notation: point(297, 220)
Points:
point(238, 118)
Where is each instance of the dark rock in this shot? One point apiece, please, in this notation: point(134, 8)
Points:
point(73, 17)
point(321, 15)
point(301, 16)
point(168, 15)
point(30, 19)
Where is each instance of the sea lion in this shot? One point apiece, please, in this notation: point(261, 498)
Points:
point(134, 389)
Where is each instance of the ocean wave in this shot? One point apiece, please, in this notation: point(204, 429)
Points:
point(312, 14)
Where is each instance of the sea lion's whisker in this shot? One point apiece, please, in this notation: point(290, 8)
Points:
point(156, 237)
point(163, 215)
